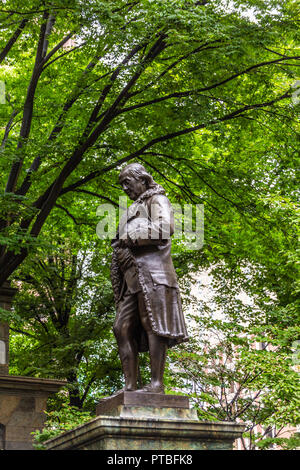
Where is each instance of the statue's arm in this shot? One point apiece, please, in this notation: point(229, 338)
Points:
point(158, 227)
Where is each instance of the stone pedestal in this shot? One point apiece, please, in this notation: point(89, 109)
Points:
point(144, 421)
point(22, 404)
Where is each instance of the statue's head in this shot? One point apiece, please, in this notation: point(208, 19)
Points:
point(135, 180)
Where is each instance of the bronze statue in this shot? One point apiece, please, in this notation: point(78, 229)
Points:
point(149, 313)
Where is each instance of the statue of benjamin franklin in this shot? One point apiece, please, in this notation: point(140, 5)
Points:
point(149, 313)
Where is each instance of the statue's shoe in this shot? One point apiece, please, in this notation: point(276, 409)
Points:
point(152, 389)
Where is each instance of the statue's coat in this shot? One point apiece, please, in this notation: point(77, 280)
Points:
point(151, 260)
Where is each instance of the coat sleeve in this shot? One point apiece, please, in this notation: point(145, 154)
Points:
point(158, 227)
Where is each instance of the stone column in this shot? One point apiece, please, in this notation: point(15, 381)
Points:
point(7, 294)
point(23, 400)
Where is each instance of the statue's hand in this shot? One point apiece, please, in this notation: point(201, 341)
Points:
point(120, 244)
point(125, 243)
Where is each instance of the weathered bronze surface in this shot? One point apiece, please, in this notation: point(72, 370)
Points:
point(149, 313)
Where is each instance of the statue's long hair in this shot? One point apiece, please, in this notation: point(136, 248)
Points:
point(139, 172)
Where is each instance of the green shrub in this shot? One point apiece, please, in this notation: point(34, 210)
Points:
point(58, 422)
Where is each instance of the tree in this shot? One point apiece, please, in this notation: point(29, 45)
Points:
point(77, 110)
point(63, 318)
point(229, 376)
point(202, 93)
point(242, 363)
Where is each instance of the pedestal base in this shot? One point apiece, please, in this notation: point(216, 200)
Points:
point(23, 401)
point(146, 405)
point(125, 424)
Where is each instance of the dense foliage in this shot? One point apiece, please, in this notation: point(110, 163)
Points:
point(203, 94)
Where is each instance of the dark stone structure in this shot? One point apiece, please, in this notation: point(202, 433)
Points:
point(23, 400)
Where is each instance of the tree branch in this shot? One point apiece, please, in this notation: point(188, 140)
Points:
point(182, 94)
point(9, 127)
point(68, 213)
point(56, 48)
point(28, 105)
point(92, 193)
point(47, 200)
point(60, 123)
point(107, 89)
point(54, 192)
point(25, 333)
point(200, 48)
point(188, 130)
point(64, 54)
point(164, 138)
point(13, 39)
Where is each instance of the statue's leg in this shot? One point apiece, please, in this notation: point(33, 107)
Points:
point(157, 351)
point(124, 329)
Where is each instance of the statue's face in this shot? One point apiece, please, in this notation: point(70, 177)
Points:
point(132, 186)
